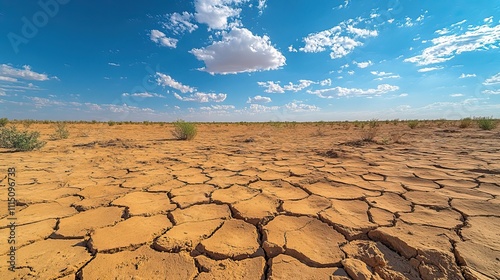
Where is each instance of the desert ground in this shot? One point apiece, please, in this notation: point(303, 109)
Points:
point(255, 201)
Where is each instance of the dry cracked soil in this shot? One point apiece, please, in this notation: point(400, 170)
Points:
point(256, 201)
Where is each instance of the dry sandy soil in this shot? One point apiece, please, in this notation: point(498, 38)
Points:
point(255, 202)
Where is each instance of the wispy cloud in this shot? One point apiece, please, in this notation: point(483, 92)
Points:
point(463, 76)
point(493, 80)
point(341, 91)
point(166, 80)
point(143, 95)
point(11, 74)
point(180, 23)
point(489, 91)
point(384, 75)
point(444, 48)
point(162, 39)
point(202, 97)
point(428, 69)
point(113, 64)
point(262, 5)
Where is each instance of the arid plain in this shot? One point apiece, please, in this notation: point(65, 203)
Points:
point(256, 201)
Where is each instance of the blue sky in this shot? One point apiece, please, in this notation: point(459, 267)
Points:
point(249, 60)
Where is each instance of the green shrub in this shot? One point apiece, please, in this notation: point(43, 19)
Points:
point(184, 130)
point(465, 122)
point(10, 138)
point(413, 124)
point(486, 123)
point(61, 132)
point(3, 122)
point(111, 123)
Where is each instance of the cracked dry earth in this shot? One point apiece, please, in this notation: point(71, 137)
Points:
point(127, 202)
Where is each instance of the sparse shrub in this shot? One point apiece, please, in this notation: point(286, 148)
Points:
point(3, 122)
point(61, 132)
point(369, 134)
point(396, 137)
point(395, 121)
point(111, 123)
point(486, 123)
point(373, 123)
point(27, 123)
point(11, 138)
point(318, 133)
point(84, 133)
point(465, 122)
point(184, 130)
point(413, 124)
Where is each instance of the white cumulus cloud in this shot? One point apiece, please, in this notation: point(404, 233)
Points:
point(216, 13)
point(272, 87)
point(341, 40)
point(275, 87)
point(297, 106)
point(363, 64)
point(326, 82)
point(240, 51)
point(259, 99)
